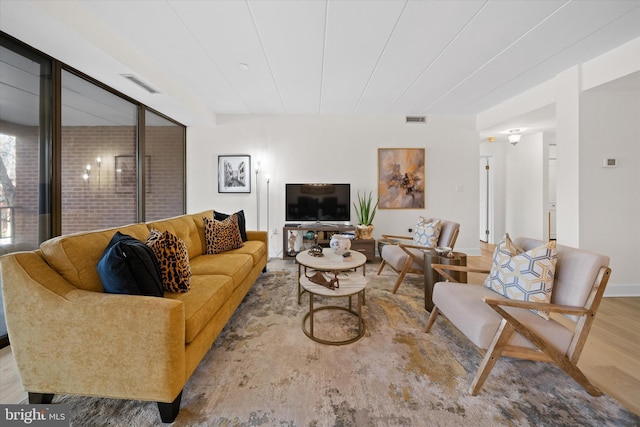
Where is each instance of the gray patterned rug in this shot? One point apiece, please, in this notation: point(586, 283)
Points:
point(264, 371)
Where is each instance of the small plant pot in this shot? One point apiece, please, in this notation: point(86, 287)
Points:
point(364, 231)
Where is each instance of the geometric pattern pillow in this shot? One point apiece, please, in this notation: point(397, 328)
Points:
point(173, 259)
point(222, 236)
point(523, 276)
point(427, 232)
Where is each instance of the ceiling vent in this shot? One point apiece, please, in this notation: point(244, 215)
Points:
point(144, 85)
point(417, 119)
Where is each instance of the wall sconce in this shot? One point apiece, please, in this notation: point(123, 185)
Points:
point(87, 173)
point(514, 136)
point(99, 162)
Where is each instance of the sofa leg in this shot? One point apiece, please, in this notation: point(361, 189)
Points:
point(264, 270)
point(40, 398)
point(169, 411)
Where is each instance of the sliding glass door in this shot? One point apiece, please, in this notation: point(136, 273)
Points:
point(99, 168)
point(25, 143)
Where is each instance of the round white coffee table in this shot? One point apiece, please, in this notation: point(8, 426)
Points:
point(350, 284)
point(330, 261)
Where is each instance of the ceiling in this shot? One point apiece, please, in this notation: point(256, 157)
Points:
point(316, 56)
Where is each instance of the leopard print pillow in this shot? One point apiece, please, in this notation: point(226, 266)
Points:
point(173, 259)
point(222, 236)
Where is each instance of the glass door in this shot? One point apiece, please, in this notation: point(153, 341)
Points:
point(25, 146)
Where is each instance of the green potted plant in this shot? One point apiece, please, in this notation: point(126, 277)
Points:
point(365, 212)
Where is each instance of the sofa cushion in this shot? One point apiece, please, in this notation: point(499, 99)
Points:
point(257, 249)
point(242, 223)
point(523, 276)
point(427, 232)
point(128, 266)
point(75, 256)
point(462, 304)
point(173, 259)
point(222, 236)
point(207, 295)
point(236, 266)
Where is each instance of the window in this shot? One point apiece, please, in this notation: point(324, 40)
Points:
point(99, 169)
point(165, 168)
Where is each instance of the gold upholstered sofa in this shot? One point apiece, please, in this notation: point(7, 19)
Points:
point(70, 337)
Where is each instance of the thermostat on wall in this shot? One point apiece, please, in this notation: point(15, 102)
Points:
point(609, 163)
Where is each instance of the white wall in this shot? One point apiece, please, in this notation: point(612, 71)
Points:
point(326, 148)
point(597, 209)
point(610, 197)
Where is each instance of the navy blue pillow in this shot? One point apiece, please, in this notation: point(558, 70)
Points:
point(128, 266)
point(242, 225)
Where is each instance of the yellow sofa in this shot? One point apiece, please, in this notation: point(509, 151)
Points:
point(69, 337)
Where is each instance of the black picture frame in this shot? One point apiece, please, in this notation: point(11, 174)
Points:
point(234, 174)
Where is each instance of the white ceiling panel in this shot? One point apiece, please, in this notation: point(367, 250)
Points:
point(226, 32)
point(321, 56)
point(492, 30)
point(292, 34)
point(357, 33)
point(423, 31)
point(557, 43)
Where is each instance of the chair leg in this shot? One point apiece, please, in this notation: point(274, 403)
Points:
point(382, 264)
point(432, 319)
point(500, 340)
point(405, 269)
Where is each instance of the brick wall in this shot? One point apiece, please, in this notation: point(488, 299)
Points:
point(165, 147)
point(104, 199)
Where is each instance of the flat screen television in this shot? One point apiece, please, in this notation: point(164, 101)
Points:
point(318, 202)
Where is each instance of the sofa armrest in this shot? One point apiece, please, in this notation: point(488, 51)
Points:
point(258, 235)
point(68, 340)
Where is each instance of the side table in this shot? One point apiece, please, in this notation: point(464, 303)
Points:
point(431, 277)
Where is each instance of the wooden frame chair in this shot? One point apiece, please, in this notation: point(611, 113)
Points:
point(404, 258)
point(504, 327)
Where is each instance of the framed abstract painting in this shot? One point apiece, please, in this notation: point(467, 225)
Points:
point(401, 178)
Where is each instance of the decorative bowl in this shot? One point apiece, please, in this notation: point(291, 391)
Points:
point(443, 250)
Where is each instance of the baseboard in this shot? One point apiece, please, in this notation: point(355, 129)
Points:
point(622, 290)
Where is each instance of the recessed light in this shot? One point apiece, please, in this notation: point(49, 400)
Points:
point(243, 67)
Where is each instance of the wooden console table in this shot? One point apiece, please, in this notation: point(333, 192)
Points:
point(321, 234)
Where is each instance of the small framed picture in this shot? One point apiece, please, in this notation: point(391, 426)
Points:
point(234, 174)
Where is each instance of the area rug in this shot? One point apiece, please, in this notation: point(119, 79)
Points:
point(264, 371)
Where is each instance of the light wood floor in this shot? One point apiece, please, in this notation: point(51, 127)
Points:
point(610, 357)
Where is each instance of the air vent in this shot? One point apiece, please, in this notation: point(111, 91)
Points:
point(416, 119)
point(144, 85)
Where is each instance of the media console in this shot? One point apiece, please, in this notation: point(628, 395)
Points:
point(300, 237)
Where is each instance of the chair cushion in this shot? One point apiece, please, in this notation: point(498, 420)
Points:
point(523, 276)
point(396, 257)
point(427, 232)
point(462, 304)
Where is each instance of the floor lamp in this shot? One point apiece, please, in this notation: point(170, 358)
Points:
point(257, 198)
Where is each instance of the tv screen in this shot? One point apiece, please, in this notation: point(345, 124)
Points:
point(318, 202)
